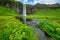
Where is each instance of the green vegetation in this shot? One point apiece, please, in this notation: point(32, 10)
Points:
point(6, 11)
point(49, 21)
point(51, 27)
point(11, 28)
point(46, 14)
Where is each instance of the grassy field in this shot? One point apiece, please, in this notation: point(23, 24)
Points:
point(6, 11)
point(52, 14)
point(13, 29)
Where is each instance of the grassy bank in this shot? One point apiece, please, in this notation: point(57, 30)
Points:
point(11, 28)
point(51, 27)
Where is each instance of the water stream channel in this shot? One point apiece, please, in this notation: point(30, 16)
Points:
point(33, 24)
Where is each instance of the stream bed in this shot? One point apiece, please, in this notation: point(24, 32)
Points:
point(33, 24)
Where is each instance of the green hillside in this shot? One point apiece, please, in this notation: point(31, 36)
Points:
point(13, 29)
point(6, 11)
point(46, 14)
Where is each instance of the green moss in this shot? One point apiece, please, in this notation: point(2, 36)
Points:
point(6, 11)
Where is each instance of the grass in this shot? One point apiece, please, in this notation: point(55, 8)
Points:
point(49, 21)
point(51, 27)
point(6, 11)
point(10, 26)
point(45, 14)
point(13, 29)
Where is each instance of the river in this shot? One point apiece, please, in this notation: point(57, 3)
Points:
point(33, 24)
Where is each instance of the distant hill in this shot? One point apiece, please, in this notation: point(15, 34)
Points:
point(30, 9)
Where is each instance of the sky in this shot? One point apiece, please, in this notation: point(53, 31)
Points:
point(33, 2)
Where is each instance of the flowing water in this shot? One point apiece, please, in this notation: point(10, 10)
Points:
point(33, 24)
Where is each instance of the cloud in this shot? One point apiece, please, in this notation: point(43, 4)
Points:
point(33, 2)
point(47, 1)
point(36, 1)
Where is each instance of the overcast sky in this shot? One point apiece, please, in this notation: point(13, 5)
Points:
point(32, 2)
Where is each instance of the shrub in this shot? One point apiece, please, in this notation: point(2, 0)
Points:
point(51, 28)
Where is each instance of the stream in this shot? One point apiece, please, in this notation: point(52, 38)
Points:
point(33, 24)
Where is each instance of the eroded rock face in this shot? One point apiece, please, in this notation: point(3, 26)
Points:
point(31, 9)
point(17, 6)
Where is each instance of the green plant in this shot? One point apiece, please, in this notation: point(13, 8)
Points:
point(6, 11)
point(12, 29)
point(51, 28)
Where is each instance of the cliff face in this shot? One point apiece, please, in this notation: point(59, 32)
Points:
point(17, 6)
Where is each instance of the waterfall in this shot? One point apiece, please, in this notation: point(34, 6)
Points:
point(24, 9)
